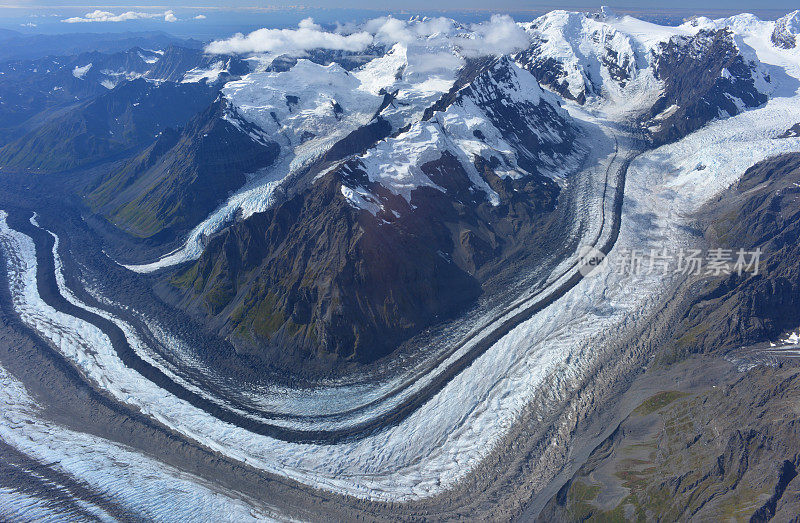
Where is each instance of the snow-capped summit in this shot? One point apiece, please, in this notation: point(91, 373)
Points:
point(704, 76)
point(781, 33)
point(415, 74)
point(744, 23)
point(429, 86)
point(607, 12)
point(430, 98)
point(501, 116)
point(444, 154)
point(309, 101)
point(634, 67)
point(579, 56)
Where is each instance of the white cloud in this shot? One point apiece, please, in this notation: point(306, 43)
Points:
point(499, 35)
point(106, 16)
point(200, 17)
point(390, 30)
point(308, 35)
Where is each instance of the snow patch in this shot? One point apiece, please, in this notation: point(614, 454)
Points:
point(80, 72)
point(362, 199)
point(211, 74)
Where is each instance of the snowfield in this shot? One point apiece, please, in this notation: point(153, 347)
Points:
point(211, 74)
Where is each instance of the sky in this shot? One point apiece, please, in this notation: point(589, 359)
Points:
point(226, 17)
point(786, 5)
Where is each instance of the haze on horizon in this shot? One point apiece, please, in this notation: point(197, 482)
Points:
point(410, 5)
point(227, 17)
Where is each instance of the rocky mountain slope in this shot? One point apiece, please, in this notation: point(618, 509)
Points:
point(182, 176)
point(704, 77)
point(675, 80)
point(760, 212)
point(33, 89)
point(354, 262)
point(786, 30)
point(118, 121)
point(726, 452)
point(580, 56)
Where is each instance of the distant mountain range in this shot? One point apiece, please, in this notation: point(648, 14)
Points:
point(18, 46)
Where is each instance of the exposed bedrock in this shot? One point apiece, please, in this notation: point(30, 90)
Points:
point(318, 276)
point(761, 212)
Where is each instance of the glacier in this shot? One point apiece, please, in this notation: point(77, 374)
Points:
point(542, 361)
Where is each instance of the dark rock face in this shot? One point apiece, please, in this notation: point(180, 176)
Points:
point(763, 211)
point(704, 77)
point(359, 140)
point(550, 72)
point(120, 120)
point(619, 72)
point(550, 136)
point(791, 132)
point(786, 28)
point(725, 452)
point(182, 177)
point(317, 277)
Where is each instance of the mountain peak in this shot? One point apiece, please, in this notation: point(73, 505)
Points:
point(786, 30)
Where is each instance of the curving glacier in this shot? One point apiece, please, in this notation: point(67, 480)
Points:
point(541, 361)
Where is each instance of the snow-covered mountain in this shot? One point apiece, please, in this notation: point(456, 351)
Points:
point(640, 67)
point(580, 56)
point(786, 29)
point(703, 77)
point(388, 131)
point(422, 131)
point(433, 127)
point(616, 63)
